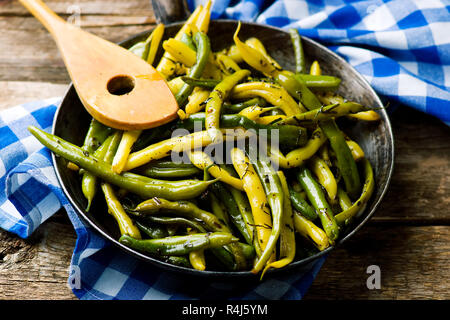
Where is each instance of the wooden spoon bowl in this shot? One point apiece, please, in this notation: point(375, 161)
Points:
point(115, 86)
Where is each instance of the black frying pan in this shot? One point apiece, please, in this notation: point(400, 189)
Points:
point(71, 123)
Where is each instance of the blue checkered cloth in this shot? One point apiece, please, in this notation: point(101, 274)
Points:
point(400, 46)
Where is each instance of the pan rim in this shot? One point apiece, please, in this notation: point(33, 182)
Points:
point(239, 274)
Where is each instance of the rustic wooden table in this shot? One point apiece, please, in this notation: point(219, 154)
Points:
point(408, 238)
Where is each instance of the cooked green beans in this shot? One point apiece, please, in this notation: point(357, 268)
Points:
point(233, 210)
point(262, 210)
point(183, 208)
point(311, 81)
point(272, 187)
point(154, 232)
point(290, 136)
point(346, 163)
point(89, 181)
point(245, 210)
point(201, 41)
point(238, 107)
point(143, 186)
point(168, 170)
point(298, 51)
point(181, 261)
point(179, 245)
point(301, 205)
point(345, 216)
point(176, 221)
point(328, 83)
point(320, 203)
point(325, 113)
point(215, 102)
point(95, 136)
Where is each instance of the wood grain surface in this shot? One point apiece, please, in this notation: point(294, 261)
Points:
point(408, 237)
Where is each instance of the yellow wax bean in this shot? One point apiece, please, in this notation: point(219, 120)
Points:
point(202, 161)
point(272, 93)
point(324, 175)
point(297, 157)
point(124, 149)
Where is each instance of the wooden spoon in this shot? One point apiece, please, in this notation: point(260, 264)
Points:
point(115, 86)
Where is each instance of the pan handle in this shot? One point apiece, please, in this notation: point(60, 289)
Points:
point(168, 11)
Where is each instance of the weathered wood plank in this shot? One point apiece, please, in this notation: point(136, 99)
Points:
point(30, 24)
point(420, 187)
point(31, 54)
point(18, 92)
point(101, 7)
point(37, 268)
point(413, 263)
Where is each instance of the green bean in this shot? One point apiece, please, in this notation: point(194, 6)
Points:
point(181, 261)
point(344, 201)
point(179, 245)
point(182, 208)
point(218, 209)
point(149, 136)
point(328, 83)
point(141, 49)
point(319, 202)
point(115, 208)
point(242, 203)
point(230, 256)
point(142, 186)
point(298, 50)
point(310, 231)
point(274, 192)
point(248, 250)
point(298, 89)
point(311, 81)
point(245, 209)
point(288, 135)
point(346, 163)
point(347, 215)
point(246, 212)
point(215, 102)
point(154, 232)
point(154, 170)
point(325, 113)
point(233, 210)
point(112, 147)
point(301, 205)
point(204, 83)
point(238, 107)
point(189, 210)
point(88, 180)
point(225, 257)
point(203, 50)
point(169, 164)
point(186, 39)
point(95, 136)
point(177, 221)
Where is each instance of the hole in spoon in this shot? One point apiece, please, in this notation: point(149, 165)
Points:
point(120, 85)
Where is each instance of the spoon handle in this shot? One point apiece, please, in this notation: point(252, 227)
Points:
point(51, 21)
